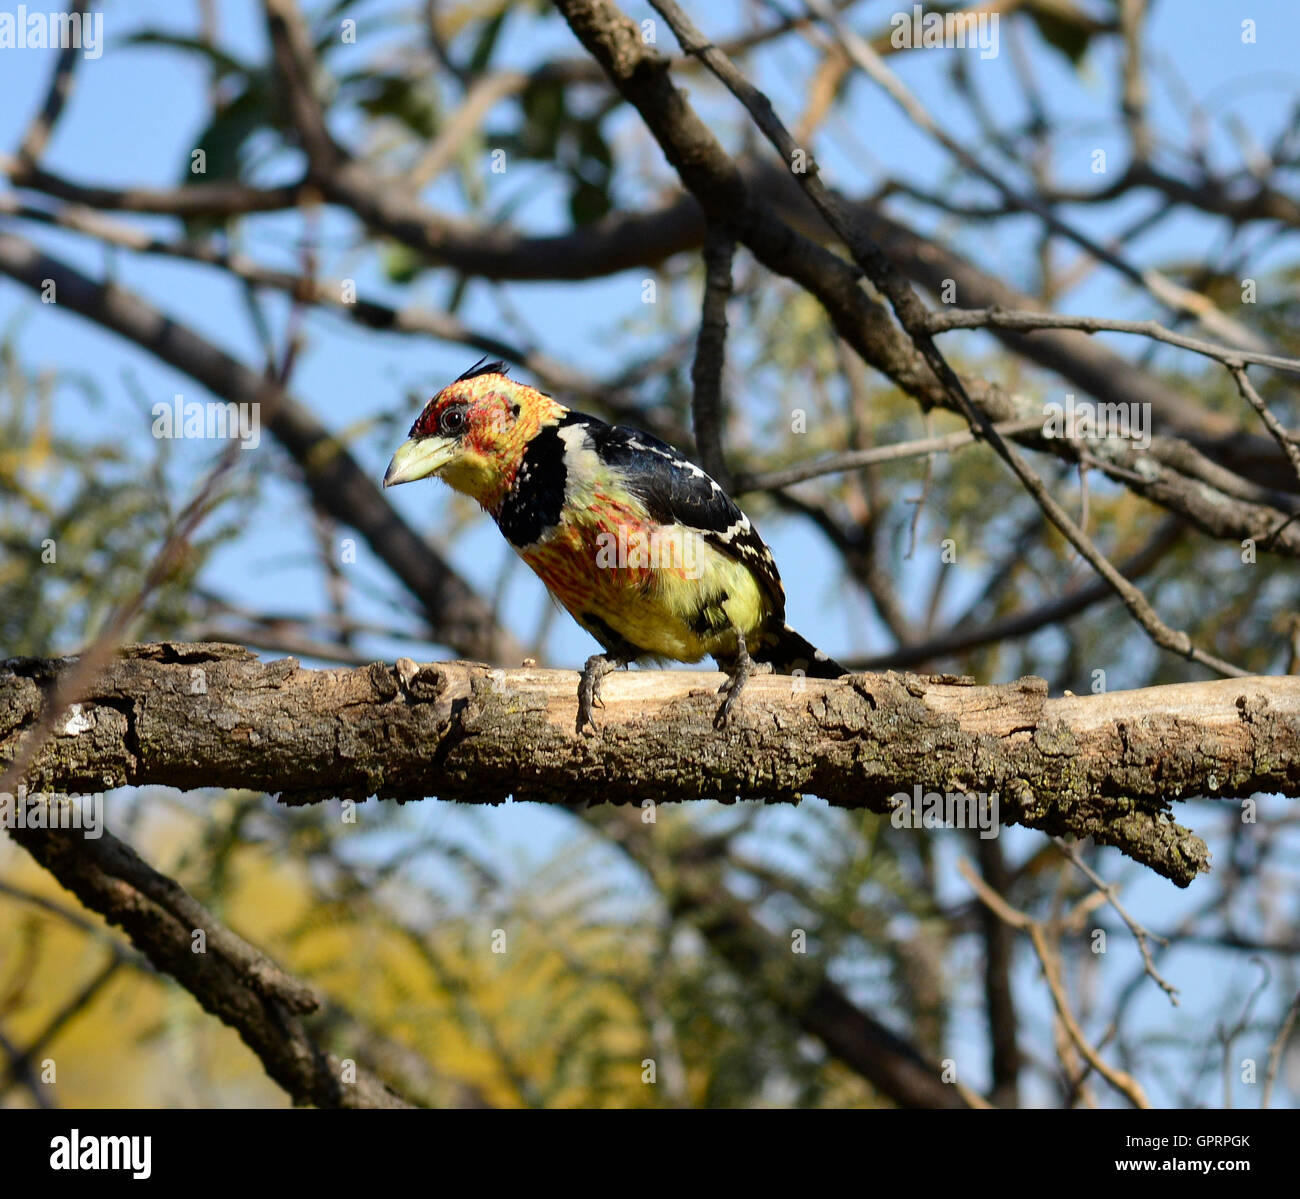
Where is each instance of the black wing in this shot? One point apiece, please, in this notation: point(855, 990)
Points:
point(676, 491)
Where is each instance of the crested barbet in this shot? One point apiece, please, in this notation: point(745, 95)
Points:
point(644, 550)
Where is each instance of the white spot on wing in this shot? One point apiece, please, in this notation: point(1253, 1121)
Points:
point(734, 530)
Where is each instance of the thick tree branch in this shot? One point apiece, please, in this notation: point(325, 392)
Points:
point(1101, 766)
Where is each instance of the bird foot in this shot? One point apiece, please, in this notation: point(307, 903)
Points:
point(738, 671)
point(597, 667)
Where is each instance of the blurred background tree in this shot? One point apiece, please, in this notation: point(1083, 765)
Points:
point(496, 195)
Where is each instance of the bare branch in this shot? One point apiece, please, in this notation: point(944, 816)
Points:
point(1276, 1049)
point(38, 132)
point(231, 979)
point(1179, 299)
point(1271, 423)
point(1024, 322)
point(774, 480)
point(964, 636)
point(1140, 934)
point(710, 354)
point(1123, 1082)
point(1102, 766)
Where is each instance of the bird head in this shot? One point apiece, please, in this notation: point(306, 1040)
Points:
point(473, 434)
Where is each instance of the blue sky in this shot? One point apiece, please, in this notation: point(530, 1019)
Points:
point(136, 112)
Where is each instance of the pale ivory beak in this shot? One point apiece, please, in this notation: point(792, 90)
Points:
point(418, 458)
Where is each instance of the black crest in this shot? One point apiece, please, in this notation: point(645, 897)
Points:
point(484, 367)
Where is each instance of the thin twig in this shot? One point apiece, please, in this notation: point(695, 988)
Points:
point(326, 294)
point(774, 480)
point(1123, 1082)
point(1163, 289)
point(38, 132)
point(20, 1064)
point(1275, 1050)
point(1271, 423)
point(1228, 1036)
point(1140, 934)
point(74, 684)
point(1027, 322)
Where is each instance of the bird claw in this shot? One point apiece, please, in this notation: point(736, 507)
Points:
point(740, 672)
point(732, 689)
point(723, 713)
point(589, 691)
point(588, 697)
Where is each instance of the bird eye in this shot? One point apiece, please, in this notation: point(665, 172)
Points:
point(453, 420)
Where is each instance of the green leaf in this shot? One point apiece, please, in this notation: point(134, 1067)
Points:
point(224, 139)
point(486, 43)
point(400, 263)
point(589, 198)
point(405, 100)
point(222, 64)
point(1070, 33)
point(587, 202)
point(595, 149)
point(544, 115)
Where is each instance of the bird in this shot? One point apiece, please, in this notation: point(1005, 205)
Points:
point(642, 547)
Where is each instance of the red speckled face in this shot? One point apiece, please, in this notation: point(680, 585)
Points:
point(472, 435)
point(476, 412)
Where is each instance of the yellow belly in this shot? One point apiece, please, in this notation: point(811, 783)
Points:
point(648, 584)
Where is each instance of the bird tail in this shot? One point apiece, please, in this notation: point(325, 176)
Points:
point(788, 653)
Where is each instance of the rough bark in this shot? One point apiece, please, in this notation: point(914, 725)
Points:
point(1102, 766)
